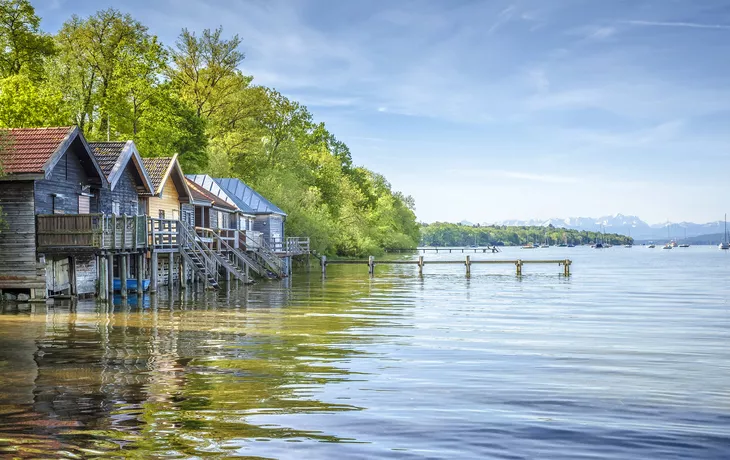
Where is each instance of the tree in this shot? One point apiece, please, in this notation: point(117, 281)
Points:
point(23, 46)
point(26, 104)
point(204, 69)
point(106, 61)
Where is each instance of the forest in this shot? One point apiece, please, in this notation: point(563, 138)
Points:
point(446, 234)
point(111, 76)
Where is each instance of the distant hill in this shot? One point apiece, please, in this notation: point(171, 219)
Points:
point(714, 238)
point(624, 225)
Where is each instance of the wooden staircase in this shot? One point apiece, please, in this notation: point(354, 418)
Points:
point(269, 264)
point(200, 257)
point(229, 258)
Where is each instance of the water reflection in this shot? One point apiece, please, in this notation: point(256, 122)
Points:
point(177, 374)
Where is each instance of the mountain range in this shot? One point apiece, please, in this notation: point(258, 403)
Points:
point(622, 224)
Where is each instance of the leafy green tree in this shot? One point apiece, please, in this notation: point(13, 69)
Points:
point(26, 104)
point(23, 46)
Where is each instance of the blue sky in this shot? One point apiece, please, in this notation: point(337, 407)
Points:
point(492, 110)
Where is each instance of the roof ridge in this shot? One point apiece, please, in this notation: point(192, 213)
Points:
point(40, 128)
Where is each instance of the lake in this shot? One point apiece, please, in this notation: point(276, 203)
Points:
point(627, 358)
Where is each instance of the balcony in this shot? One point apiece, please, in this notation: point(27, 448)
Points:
point(90, 232)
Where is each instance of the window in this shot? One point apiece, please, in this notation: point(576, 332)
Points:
point(162, 213)
point(133, 206)
point(116, 208)
point(84, 204)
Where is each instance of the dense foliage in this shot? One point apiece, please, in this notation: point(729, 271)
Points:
point(108, 74)
point(446, 234)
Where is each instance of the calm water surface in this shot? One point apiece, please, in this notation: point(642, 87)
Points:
point(628, 358)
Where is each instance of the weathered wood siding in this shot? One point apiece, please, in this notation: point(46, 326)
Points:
point(66, 181)
point(272, 227)
point(125, 192)
point(168, 202)
point(19, 268)
point(86, 273)
point(187, 213)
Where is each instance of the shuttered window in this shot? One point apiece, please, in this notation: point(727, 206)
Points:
point(84, 204)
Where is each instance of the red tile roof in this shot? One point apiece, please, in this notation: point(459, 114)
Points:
point(26, 150)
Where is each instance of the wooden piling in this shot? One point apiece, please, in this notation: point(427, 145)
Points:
point(101, 263)
point(123, 275)
point(323, 262)
point(518, 264)
point(170, 276)
point(110, 276)
point(371, 266)
point(140, 274)
point(566, 267)
point(153, 272)
point(420, 265)
point(468, 266)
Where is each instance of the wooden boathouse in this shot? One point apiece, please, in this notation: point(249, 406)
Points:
point(90, 218)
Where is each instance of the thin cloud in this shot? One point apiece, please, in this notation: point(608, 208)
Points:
point(693, 25)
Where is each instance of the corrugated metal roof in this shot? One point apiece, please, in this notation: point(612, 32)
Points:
point(200, 193)
point(27, 150)
point(209, 184)
point(243, 195)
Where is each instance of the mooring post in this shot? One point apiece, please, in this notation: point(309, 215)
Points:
point(371, 265)
point(101, 263)
point(468, 266)
point(323, 262)
point(518, 264)
point(123, 275)
point(153, 272)
point(566, 267)
point(110, 275)
point(140, 274)
point(170, 269)
point(420, 265)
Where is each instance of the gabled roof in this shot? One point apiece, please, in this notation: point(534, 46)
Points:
point(113, 158)
point(203, 197)
point(208, 183)
point(35, 151)
point(160, 169)
point(246, 197)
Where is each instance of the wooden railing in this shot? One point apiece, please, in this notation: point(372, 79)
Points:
point(91, 231)
point(297, 246)
point(164, 233)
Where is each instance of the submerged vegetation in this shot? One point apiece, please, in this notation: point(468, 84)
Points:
point(446, 234)
point(111, 76)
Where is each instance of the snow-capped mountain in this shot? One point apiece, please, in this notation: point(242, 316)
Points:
point(624, 225)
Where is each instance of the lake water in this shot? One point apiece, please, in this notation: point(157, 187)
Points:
point(627, 358)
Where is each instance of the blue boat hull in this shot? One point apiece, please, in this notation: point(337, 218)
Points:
point(131, 284)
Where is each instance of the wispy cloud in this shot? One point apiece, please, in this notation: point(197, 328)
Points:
point(692, 25)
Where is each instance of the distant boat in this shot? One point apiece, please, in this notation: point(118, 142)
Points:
point(529, 246)
point(724, 244)
point(685, 244)
point(651, 245)
point(672, 243)
point(667, 246)
point(629, 245)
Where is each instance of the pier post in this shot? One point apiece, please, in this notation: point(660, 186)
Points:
point(110, 276)
point(140, 274)
point(170, 267)
point(518, 264)
point(123, 271)
point(420, 265)
point(101, 263)
point(153, 272)
point(371, 266)
point(323, 262)
point(566, 267)
point(183, 273)
point(468, 266)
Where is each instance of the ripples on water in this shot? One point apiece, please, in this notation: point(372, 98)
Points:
point(629, 358)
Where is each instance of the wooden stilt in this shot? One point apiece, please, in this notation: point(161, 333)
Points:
point(420, 265)
point(518, 264)
point(123, 272)
point(101, 264)
point(110, 276)
point(468, 266)
point(371, 266)
point(170, 274)
point(323, 262)
point(153, 272)
point(140, 274)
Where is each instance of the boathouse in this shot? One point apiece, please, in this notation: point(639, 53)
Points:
point(52, 228)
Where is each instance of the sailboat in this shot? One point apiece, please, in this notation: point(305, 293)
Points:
point(668, 245)
point(546, 244)
point(724, 244)
point(685, 244)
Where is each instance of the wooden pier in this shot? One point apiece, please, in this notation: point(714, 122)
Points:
point(482, 249)
point(467, 263)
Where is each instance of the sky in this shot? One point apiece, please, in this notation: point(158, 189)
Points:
point(493, 110)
